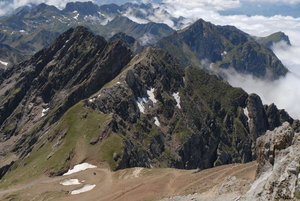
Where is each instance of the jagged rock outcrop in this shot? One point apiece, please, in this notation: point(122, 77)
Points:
point(278, 166)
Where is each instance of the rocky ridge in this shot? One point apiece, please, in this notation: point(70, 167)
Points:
point(54, 80)
point(91, 100)
point(29, 30)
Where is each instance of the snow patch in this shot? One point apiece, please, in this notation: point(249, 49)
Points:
point(79, 167)
point(150, 93)
point(4, 63)
point(85, 188)
point(91, 100)
point(69, 182)
point(177, 98)
point(65, 44)
point(246, 113)
point(101, 14)
point(76, 17)
point(44, 112)
point(157, 123)
point(140, 102)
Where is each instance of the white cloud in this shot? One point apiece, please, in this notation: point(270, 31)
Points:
point(146, 39)
point(289, 55)
point(284, 92)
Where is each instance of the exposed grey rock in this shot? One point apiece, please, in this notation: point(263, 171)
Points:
point(278, 166)
point(258, 120)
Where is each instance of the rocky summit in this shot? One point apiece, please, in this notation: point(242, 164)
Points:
point(214, 47)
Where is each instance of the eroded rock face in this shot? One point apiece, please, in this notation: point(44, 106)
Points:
point(278, 160)
point(270, 144)
point(257, 117)
point(181, 117)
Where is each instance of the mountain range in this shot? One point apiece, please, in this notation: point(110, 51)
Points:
point(154, 111)
point(117, 102)
point(29, 30)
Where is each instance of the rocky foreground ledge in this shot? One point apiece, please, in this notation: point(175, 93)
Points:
point(278, 166)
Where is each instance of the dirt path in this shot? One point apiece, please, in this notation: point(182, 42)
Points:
point(137, 184)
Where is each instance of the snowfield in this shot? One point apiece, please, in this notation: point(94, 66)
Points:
point(157, 123)
point(85, 188)
point(44, 111)
point(79, 167)
point(150, 93)
point(140, 101)
point(177, 98)
point(4, 63)
point(246, 113)
point(69, 182)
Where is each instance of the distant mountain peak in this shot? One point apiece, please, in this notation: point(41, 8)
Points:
point(222, 47)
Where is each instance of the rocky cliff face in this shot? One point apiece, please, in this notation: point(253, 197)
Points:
point(278, 166)
point(86, 99)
